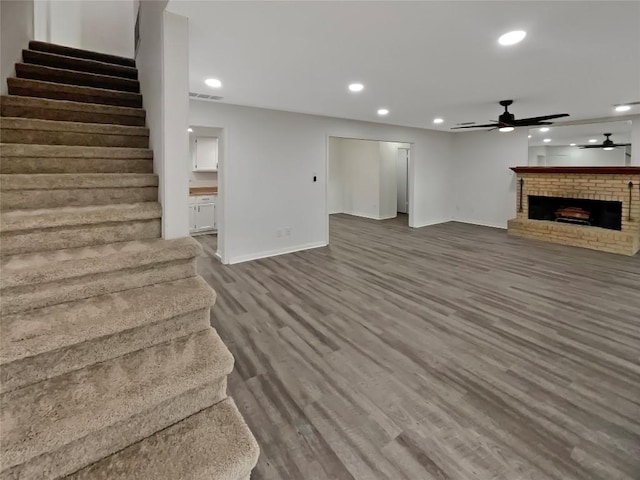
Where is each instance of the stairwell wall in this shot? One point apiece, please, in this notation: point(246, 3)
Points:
point(105, 26)
point(16, 29)
point(162, 63)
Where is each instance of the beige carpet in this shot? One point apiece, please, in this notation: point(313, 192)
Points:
point(109, 366)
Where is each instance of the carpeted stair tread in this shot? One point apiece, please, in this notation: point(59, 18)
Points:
point(58, 91)
point(214, 444)
point(71, 77)
point(17, 123)
point(47, 342)
point(79, 53)
point(65, 110)
point(57, 265)
point(66, 181)
point(61, 424)
point(78, 64)
point(18, 220)
point(55, 132)
point(73, 151)
point(32, 191)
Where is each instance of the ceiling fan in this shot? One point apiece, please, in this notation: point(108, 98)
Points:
point(608, 144)
point(507, 121)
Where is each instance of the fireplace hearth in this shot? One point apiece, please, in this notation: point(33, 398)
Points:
point(578, 211)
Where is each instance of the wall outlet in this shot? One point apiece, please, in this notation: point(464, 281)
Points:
point(287, 231)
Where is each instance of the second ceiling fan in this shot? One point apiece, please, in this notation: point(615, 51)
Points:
point(608, 144)
point(507, 121)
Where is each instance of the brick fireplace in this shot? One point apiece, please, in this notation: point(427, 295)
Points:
point(589, 207)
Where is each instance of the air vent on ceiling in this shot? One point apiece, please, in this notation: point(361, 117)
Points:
point(204, 96)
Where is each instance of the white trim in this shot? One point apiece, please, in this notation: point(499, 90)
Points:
point(480, 224)
point(428, 224)
point(217, 255)
point(273, 253)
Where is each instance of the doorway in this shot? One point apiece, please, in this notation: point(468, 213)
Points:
point(369, 179)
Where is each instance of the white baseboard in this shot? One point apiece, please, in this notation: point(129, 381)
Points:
point(469, 222)
point(428, 224)
point(273, 253)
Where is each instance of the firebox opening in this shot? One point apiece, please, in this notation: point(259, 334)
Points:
point(578, 211)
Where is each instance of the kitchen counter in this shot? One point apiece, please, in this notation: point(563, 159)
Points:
point(193, 191)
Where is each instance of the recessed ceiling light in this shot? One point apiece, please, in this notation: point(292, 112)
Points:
point(529, 136)
point(213, 82)
point(544, 129)
point(438, 120)
point(623, 108)
point(592, 140)
point(546, 140)
point(511, 38)
point(608, 148)
point(356, 87)
point(383, 111)
point(190, 130)
point(506, 129)
point(572, 144)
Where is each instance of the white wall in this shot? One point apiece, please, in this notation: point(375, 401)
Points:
point(389, 178)
point(162, 62)
point(271, 159)
point(16, 29)
point(361, 171)
point(105, 26)
point(484, 187)
point(335, 187)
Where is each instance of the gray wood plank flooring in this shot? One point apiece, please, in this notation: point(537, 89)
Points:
point(450, 352)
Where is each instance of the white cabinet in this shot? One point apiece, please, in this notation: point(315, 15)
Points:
point(205, 158)
point(202, 213)
point(206, 216)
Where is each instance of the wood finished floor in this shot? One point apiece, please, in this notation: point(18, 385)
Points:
point(446, 352)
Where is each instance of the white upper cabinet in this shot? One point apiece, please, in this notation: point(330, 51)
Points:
point(205, 158)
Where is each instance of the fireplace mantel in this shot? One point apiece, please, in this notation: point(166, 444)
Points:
point(580, 170)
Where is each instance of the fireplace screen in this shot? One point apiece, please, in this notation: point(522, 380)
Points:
point(595, 213)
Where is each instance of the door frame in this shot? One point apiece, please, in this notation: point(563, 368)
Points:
point(410, 174)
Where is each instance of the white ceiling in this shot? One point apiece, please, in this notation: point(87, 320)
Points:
point(418, 59)
point(580, 134)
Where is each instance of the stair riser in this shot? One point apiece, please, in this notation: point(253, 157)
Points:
point(101, 409)
point(55, 91)
point(20, 299)
point(73, 165)
point(78, 64)
point(16, 242)
point(76, 53)
point(33, 199)
point(71, 116)
point(24, 372)
point(68, 77)
point(40, 137)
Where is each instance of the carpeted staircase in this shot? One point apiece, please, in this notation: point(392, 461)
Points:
point(109, 367)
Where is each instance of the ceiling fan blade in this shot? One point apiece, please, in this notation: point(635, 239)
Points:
point(478, 126)
point(533, 120)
